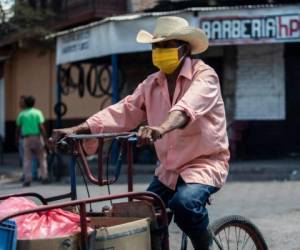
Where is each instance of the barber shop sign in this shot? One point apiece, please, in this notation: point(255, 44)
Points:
point(250, 30)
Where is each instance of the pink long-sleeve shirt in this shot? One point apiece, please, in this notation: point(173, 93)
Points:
point(198, 152)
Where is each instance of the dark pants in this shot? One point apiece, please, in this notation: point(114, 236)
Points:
point(187, 202)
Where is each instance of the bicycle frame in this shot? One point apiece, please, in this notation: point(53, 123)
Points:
point(99, 180)
point(77, 151)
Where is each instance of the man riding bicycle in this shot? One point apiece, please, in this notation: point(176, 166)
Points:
point(183, 107)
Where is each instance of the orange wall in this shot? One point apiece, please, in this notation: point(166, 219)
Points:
point(32, 73)
point(87, 105)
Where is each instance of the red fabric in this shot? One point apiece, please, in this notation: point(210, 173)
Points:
point(52, 223)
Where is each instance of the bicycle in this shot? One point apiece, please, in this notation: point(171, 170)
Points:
point(245, 234)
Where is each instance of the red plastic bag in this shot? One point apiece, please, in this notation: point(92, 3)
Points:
point(51, 223)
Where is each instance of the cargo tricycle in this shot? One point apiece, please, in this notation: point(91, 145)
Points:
point(134, 220)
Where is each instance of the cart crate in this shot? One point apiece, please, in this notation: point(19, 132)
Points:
point(70, 242)
point(120, 233)
point(8, 235)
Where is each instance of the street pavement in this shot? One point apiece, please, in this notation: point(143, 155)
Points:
point(273, 205)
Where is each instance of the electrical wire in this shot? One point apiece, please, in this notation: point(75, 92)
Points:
point(85, 182)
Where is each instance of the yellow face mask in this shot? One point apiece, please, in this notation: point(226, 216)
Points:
point(166, 59)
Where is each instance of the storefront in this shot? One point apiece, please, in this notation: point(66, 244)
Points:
point(266, 113)
point(253, 49)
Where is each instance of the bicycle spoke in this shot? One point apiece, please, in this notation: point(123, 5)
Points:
point(220, 240)
point(239, 234)
point(217, 242)
point(236, 238)
point(227, 238)
point(245, 242)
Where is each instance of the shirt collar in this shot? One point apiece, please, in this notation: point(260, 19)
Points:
point(186, 71)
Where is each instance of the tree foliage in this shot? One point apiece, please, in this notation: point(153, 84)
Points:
point(27, 22)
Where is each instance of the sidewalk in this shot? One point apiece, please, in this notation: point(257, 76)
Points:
point(254, 170)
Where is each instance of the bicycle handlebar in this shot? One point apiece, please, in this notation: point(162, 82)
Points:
point(73, 144)
point(120, 135)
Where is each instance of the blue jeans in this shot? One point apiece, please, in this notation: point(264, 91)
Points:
point(187, 202)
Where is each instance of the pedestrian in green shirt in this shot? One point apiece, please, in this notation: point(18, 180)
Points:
point(20, 143)
point(30, 123)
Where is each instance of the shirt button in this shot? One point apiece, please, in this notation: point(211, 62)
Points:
point(170, 147)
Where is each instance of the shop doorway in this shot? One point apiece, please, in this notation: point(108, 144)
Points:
point(2, 108)
point(292, 69)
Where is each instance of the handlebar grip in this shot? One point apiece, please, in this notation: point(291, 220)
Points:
point(65, 146)
point(133, 139)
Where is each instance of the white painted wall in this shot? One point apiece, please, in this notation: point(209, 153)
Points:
point(260, 88)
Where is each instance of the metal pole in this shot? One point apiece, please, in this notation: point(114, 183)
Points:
point(58, 96)
point(129, 167)
point(115, 98)
point(100, 160)
point(72, 169)
point(115, 80)
point(83, 225)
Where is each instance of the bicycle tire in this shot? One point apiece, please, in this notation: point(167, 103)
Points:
point(242, 223)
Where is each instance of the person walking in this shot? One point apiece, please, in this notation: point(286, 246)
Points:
point(30, 124)
point(183, 106)
point(20, 143)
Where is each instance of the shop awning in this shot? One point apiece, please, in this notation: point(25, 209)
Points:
point(224, 26)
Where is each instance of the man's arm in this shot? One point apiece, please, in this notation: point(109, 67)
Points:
point(57, 134)
point(122, 116)
point(175, 119)
point(82, 128)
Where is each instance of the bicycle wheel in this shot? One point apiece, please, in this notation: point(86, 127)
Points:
point(236, 232)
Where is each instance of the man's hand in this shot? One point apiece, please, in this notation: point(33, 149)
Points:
point(148, 135)
point(58, 134)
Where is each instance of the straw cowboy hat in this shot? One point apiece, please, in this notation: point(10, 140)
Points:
point(172, 27)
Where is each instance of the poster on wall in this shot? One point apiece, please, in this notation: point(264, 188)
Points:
point(260, 87)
